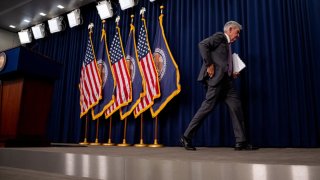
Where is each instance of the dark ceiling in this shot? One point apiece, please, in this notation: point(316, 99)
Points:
point(13, 12)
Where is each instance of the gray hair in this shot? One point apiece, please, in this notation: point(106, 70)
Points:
point(231, 24)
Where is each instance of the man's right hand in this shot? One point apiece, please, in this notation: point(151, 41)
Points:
point(210, 70)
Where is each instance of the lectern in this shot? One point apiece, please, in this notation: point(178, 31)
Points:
point(26, 88)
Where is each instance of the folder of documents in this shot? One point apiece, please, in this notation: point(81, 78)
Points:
point(238, 64)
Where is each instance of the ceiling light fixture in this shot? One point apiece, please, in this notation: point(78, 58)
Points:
point(125, 4)
point(42, 14)
point(38, 31)
point(74, 18)
point(26, 20)
point(12, 26)
point(25, 36)
point(104, 9)
point(56, 25)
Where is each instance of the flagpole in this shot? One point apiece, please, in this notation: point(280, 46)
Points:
point(124, 143)
point(96, 142)
point(85, 142)
point(109, 143)
point(155, 143)
point(141, 144)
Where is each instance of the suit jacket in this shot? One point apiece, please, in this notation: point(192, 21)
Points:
point(214, 50)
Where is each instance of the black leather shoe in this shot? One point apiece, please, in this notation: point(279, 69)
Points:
point(186, 143)
point(244, 146)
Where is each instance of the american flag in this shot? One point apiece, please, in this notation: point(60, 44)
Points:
point(149, 72)
point(138, 83)
point(123, 81)
point(90, 82)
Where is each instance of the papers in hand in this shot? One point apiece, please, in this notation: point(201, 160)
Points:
point(238, 64)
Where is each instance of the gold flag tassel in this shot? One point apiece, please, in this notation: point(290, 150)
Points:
point(124, 143)
point(85, 142)
point(109, 143)
point(96, 142)
point(141, 144)
point(155, 143)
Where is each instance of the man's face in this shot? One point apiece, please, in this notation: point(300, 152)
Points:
point(233, 33)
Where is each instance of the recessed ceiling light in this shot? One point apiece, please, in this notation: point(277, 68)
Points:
point(42, 14)
point(60, 6)
point(12, 26)
point(26, 20)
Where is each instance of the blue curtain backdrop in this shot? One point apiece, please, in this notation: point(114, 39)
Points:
point(279, 88)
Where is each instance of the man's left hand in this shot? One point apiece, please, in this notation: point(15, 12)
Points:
point(236, 75)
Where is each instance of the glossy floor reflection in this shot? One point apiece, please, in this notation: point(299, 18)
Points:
point(132, 163)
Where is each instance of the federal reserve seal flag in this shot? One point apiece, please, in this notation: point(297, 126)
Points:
point(138, 84)
point(107, 78)
point(167, 69)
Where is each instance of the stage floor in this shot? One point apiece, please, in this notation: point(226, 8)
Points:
point(132, 163)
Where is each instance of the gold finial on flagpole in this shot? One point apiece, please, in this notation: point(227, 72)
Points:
point(103, 22)
point(132, 16)
point(90, 27)
point(142, 11)
point(161, 7)
point(117, 20)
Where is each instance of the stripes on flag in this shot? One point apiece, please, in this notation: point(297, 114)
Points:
point(123, 82)
point(149, 72)
point(138, 83)
point(90, 82)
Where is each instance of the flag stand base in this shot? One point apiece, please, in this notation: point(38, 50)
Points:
point(85, 142)
point(96, 143)
point(109, 143)
point(141, 144)
point(155, 144)
point(124, 144)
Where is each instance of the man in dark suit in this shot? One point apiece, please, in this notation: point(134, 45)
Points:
point(217, 74)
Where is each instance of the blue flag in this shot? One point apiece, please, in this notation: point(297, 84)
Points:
point(167, 69)
point(133, 65)
point(108, 83)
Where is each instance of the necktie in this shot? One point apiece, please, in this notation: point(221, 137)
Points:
point(230, 62)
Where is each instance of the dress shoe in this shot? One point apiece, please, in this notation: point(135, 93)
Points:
point(244, 146)
point(186, 143)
